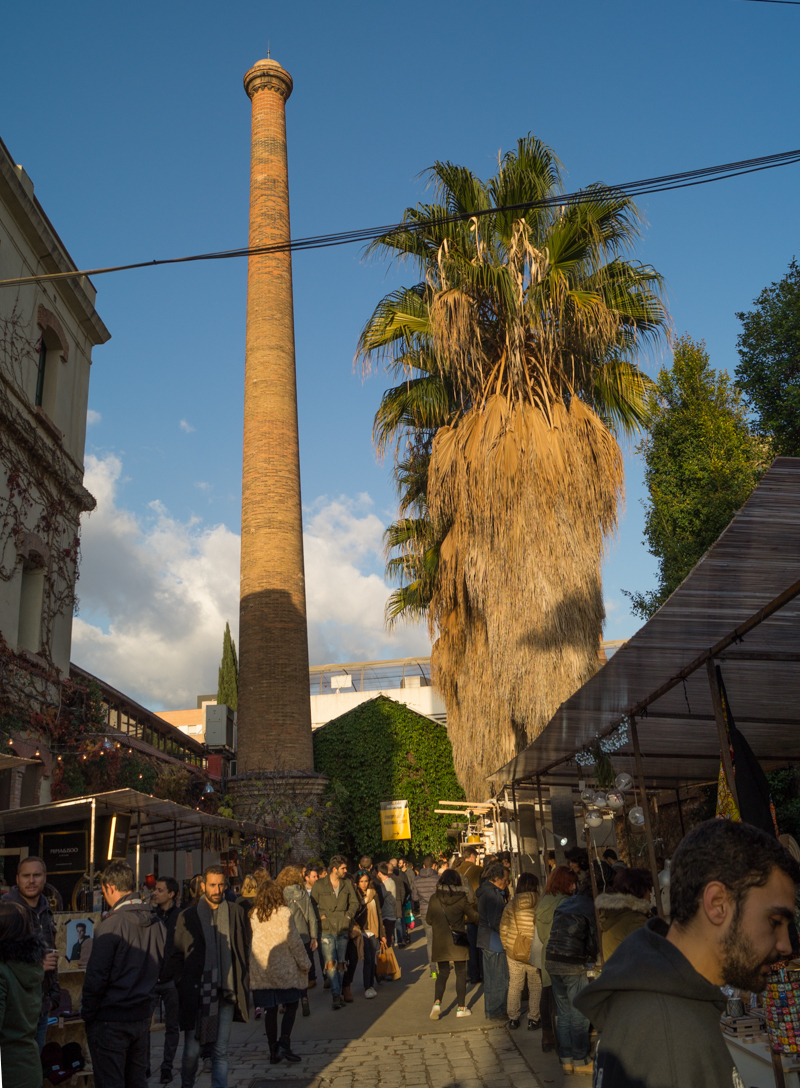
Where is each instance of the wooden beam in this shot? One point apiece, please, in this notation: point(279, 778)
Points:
point(648, 829)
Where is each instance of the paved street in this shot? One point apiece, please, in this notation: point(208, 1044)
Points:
point(390, 1042)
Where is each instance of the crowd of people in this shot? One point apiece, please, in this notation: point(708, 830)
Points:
point(650, 989)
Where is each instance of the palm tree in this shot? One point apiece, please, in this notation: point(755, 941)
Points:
point(515, 359)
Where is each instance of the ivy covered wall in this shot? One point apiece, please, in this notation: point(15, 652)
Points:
point(383, 751)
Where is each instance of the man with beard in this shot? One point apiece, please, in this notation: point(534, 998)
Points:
point(657, 1003)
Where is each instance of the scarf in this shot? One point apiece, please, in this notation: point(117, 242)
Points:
point(217, 981)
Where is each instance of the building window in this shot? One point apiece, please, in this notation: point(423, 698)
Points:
point(50, 352)
point(40, 375)
point(31, 600)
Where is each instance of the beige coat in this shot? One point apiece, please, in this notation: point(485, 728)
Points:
point(278, 960)
point(519, 920)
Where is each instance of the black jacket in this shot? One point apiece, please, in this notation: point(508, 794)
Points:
point(125, 963)
point(189, 957)
point(491, 904)
point(573, 935)
point(658, 1019)
point(170, 920)
point(423, 886)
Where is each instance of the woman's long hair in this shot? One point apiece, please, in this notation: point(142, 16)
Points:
point(15, 923)
point(357, 880)
point(291, 874)
point(268, 899)
point(449, 879)
point(562, 881)
point(528, 882)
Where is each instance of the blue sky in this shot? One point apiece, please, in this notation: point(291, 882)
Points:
point(134, 126)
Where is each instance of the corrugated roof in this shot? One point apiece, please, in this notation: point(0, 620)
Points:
point(756, 559)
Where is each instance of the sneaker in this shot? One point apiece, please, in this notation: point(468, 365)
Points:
point(370, 993)
point(207, 1063)
point(306, 1007)
point(166, 1076)
point(462, 1010)
point(567, 1067)
point(258, 1013)
point(534, 1025)
point(588, 1068)
point(436, 1010)
point(514, 1024)
point(434, 974)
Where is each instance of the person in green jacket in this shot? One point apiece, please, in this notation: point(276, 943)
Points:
point(625, 908)
point(560, 885)
point(21, 977)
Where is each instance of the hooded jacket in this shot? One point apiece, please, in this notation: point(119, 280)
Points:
point(43, 924)
point(21, 976)
point(449, 910)
point(125, 963)
point(423, 887)
point(620, 915)
point(305, 917)
point(658, 1019)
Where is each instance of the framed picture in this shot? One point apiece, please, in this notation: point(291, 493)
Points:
point(74, 937)
point(64, 851)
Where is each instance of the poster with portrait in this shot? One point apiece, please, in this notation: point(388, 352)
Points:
point(74, 937)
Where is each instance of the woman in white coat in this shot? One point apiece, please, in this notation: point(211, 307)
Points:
point(278, 967)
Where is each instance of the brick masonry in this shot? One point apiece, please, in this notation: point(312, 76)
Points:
point(274, 708)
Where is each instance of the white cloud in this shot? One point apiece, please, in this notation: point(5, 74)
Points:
point(203, 485)
point(156, 593)
point(186, 427)
point(92, 416)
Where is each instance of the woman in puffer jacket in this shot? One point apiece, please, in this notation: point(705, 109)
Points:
point(625, 908)
point(297, 899)
point(278, 968)
point(517, 928)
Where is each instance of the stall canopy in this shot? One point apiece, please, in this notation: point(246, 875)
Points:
point(738, 609)
point(163, 824)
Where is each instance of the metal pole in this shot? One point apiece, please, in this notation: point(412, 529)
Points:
point(175, 849)
point(138, 850)
point(520, 839)
point(722, 730)
point(92, 823)
point(588, 835)
point(648, 830)
point(680, 812)
point(543, 852)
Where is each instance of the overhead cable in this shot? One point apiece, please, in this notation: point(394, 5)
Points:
point(665, 183)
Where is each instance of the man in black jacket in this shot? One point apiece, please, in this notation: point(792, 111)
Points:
point(121, 976)
point(210, 959)
point(491, 904)
point(657, 1003)
point(165, 899)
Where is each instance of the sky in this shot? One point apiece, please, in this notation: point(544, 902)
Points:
point(133, 123)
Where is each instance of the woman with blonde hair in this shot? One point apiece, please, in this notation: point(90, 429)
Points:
point(292, 883)
point(278, 967)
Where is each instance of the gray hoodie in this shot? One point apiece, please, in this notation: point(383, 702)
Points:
point(658, 1019)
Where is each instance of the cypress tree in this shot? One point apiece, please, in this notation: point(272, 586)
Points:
point(228, 683)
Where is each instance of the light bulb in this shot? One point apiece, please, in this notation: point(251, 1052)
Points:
point(636, 816)
point(594, 819)
point(615, 801)
point(623, 782)
point(587, 796)
point(600, 799)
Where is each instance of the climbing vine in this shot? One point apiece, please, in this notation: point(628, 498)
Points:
point(383, 751)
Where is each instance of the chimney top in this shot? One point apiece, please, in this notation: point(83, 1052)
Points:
point(268, 75)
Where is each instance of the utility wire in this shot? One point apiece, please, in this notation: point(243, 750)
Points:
point(663, 184)
point(796, 3)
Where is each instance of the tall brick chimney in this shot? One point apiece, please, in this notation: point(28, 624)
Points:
point(274, 707)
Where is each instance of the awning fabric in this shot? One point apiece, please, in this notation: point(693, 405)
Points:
point(754, 561)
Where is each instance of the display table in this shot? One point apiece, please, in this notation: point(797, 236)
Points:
point(755, 1064)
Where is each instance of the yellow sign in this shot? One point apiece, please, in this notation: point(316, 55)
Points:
point(395, 823)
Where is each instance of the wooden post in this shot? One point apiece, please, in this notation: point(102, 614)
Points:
point(520, 840)
point(777, 1068)
point(543, 851)
point(138, 850)
point(588, 834)
point(175, 849)
point(722, 730)
point(92, 827)
point(680, 811)
point(648, 829)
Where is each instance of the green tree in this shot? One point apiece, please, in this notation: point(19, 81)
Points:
point(228, 682)
point(702, 462)
point(769, 368)
point(383, 751)
point(515, 358)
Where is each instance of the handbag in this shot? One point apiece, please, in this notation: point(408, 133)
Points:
point(536, 952)
point(459, 938)
point(386, 965)
point(522, 949)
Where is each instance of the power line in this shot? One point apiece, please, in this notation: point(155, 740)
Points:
point(796, 3)
point(663, 184)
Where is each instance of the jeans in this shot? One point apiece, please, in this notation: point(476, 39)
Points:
point(119, 1052)
point(572, 1028)
point(495, 983)
point(219, 1059)
point(547, 1011)
point(475, 973)
point(371, 946)
point(429, 941)
point(334, 951)
point(461, 981)
point(390, 929)
point(41, 1030)
point(168, 992)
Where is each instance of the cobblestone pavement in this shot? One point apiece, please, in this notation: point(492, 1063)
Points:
point(476, 1058)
